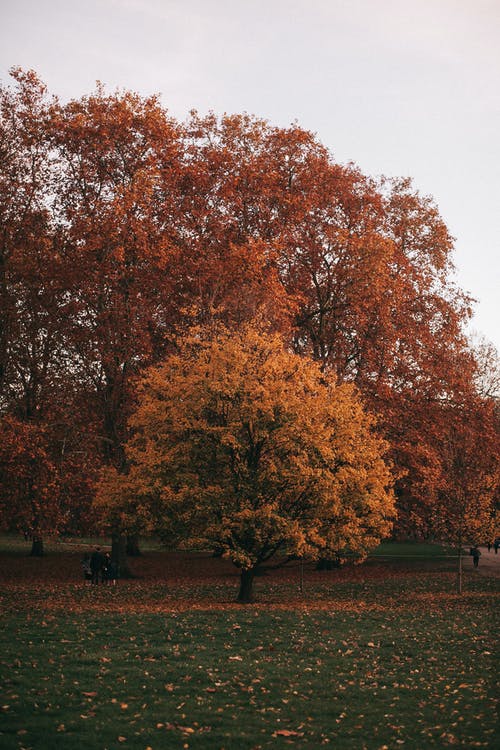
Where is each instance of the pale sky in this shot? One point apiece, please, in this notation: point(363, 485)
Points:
point(400, 87)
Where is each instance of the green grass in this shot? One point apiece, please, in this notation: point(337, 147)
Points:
point(231, 679)
point(372, 657)
point(412, 549)
point(16, 543)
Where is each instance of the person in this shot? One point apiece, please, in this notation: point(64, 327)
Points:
point(96, 563)
point(112, 572)
point(496, 544)
point(87, 571)
point(106, 562)
point(476, 553)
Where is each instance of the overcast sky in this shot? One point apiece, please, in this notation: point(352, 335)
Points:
point(400, 87)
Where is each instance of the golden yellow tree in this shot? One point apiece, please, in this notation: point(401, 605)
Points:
point(243, 446)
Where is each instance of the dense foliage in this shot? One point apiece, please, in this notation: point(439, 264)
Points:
point(122, 229)
point(244, 448)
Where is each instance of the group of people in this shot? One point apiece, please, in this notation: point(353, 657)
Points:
point(99, 567)
point(495, 544)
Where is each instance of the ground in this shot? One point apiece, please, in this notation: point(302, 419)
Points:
point(372, 657)
point(489, 562)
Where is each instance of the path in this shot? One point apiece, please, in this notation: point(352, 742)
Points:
point(489, 562)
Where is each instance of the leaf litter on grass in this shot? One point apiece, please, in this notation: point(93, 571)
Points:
point(323, 675)
point(355, 662)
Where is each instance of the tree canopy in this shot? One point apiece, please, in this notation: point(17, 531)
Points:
point(122, 230)
point(244, 447)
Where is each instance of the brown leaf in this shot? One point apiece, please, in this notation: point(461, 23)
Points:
point(287, 733)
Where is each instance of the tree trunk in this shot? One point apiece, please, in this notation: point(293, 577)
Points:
point(37, 547)
point(460, 569)
point(133, 546)
point(246, 583)
point(459, 580)
point(328, 563)
point(119, 555)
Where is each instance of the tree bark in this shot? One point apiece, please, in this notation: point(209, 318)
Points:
point(246, 585)
point(133, 549)
point(37, 547)
point(460, 571)
point(119, 555)
point(328, 563)
point(459, 581)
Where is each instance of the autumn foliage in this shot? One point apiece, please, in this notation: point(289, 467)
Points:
point(123, 231)
point(244, 448)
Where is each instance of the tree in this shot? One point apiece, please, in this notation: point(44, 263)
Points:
point(30, 497)
point(470, 477)
point(34, 306)
point(487, 369)
point(118, 159)
point(366, 270)
point(24, 175)
point(240, 445)
point(370, 264)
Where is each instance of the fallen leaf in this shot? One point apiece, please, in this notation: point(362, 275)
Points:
point(287, 733)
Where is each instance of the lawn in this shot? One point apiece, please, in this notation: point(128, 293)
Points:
point(366, 657)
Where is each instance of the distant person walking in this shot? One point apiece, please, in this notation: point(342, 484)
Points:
point(476, 554)
point(496, 545)
point(96, 564)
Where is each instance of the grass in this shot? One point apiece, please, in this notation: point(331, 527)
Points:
point(16, 543)
point(412, 549)
point(409, 549)
point(370, 657)
point(221, 680)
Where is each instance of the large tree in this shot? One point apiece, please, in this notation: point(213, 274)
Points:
point(36, 397)
point(366, 267)
point(116, 189)
point(245, 447)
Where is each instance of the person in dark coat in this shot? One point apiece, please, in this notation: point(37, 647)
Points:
point(106, 562)
point(96, 564)
point(476, 554)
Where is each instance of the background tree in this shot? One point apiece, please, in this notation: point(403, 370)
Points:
point(117, 162)
point(245, 447)
point(30, 497)
point(470, 478)
point(487, 369)
point(371, 266)
point(34, 308)
point(366, 270)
